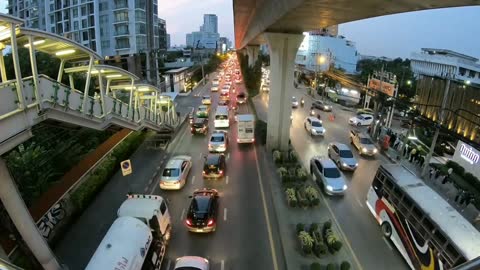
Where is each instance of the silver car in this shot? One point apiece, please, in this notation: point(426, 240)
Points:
point(328, 176)
point(192, 263)
point(342, 156)
point(294, 102)
point(218, 142)
point(175, 174)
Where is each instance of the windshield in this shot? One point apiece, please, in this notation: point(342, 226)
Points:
point(360, 117)
point(365, 141)
point(206, 97)
point(346, 154)
point(316, 124)
point(200, 204)
point(187, 268)
point(202, 109)
point(221, 117)
point(294, 99)
point(217, 139)
point(171, 172)
point(241, 95)
point(331, 173)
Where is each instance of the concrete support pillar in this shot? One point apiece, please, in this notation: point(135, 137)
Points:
point(283, 50)
point(87, 85)
point(60, 71)
point(102, 94)
point(18, 212)
point(3, 72)
point(252, 52)
point(33, 64)
point(16, 66)
point(130, 100)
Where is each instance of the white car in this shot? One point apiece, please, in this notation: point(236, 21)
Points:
point(215, 82)
point(175, 174)
point(314, 126)
point(214, 88)
point(361, 120)
point(238, 80)
point(218, 142)
point(206, 100)
point(191, 263)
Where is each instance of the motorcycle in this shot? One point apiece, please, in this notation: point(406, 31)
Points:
point(312, 112)
point(302, 102)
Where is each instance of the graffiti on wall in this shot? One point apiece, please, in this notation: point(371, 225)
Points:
point(54, 215)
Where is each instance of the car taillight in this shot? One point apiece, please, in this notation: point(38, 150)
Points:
point(253, 139)
point(203, 172)
point(188, 222)
point(211, 222)
point(220, 171)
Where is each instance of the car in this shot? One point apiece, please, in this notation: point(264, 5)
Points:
point(363, 143)
point(342, 155)
point(214, 166)
point(223, 102)
point(241, 98)
point(265, 88)
point(318, 104)
point(218, 142)
point(215, 82)
point(328, 176)
point(191, 263)
point(199, 126)
point(202, 212)
point(206, 100)
point(202, 111)
point(294, 102)
point(224, 95)
point(314, 126)
point(175, 174)
point(238, 80)
point(448, 147)
point(365, 111)
point(214, 88)
point(361, 120)
point(225, 88)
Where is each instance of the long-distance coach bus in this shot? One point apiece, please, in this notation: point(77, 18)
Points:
point(426, 229)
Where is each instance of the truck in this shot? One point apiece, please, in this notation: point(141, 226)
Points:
point(138, 237)
point(246, 128)
point(363, 143)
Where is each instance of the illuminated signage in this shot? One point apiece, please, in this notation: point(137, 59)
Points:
point(469, 154)
point(386, 88)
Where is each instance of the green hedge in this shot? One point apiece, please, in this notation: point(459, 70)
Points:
point(84, 194)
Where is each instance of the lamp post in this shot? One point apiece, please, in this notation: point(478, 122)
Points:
point(449, 76)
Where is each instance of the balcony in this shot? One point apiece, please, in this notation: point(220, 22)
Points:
point(120, 20)
point(121, 33)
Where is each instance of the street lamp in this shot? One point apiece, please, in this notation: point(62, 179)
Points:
point(468, 82)
point(409, 82)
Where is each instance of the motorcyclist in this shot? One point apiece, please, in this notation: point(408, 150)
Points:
point(302, 101)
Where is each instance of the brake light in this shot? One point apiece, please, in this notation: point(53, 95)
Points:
point(253, 139)
point(203, 172)
point(220, 172)
point(211, 222)
point(188, 222)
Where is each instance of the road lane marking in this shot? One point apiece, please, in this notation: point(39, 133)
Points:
point(145, 189)
point(225, 214)
point(226, 180)
point(265, 212)
point(183, 214)
point(158, 167)
point(359, 202)
point(388, 243)
point(168, 264)
point(193, 179)
point(201, 154)
point(222, 265)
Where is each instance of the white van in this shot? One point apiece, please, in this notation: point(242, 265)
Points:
point(222, 119)
point(246, 128)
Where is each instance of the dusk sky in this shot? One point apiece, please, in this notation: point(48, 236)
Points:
point(397, 35)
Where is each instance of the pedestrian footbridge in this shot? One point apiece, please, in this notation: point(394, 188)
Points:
point(84, 93)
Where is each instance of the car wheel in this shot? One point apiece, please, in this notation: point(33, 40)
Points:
point(358, 124)
point(386, 229)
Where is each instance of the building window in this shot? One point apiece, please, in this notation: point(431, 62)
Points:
point(84, 23)
point(84, 35)
point(140, 16)
point(141, 28)
point(103, 6)
point(123, 43)
point(121, 16)
point(75, 25)
point(84, 11)
point(75, 2)
point(140, 4)
point(105, 44)
point(75, 12)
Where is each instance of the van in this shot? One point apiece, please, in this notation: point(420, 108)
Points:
point(245, 126)
point(222, 119)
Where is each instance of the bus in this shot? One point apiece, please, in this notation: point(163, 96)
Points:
point(222, 119)
point(426, 229)
point(245, 128)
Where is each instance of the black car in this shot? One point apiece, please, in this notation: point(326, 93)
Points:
point(199, 126)
point(317, 104)
point(202, 213)
point(214, 166)
point(223, 102)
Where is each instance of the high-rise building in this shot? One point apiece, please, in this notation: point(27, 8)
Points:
point(168, 41)
point(189, 40)
point(118, 27)
point(210, 23)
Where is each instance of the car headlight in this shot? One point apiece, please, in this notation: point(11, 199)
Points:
point(329, 187)
point(344, 164)
point(344, 187)
point(364, 149)
point(356, 164)
point(375, 150)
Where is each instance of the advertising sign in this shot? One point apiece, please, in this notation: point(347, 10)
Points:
point(468, 157)
point(126, 166)
point(387, 88)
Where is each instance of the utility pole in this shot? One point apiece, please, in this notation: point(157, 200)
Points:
point(448, 77)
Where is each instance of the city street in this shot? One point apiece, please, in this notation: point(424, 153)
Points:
point(351, 212)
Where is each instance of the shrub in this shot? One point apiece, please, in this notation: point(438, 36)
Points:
point(292, 157)
point(345, 265)
point(306, 242)
point(315, 266)
point(456, 167)
point(277, 157)
point(291, 197)
point(301, 174)
point(300, 227)
point(320, 250)
point(312, 195)
point(333, 243)
point(302, 197)
point(313, 227)
point(327, 225)
point(331, 266)
point(337, 245)
point(472, 180)
point(282, 171)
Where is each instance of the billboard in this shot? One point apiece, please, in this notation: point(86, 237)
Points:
point(386, 88)
point(468, 157)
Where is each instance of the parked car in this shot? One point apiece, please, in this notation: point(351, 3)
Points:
point(175, 174)
point(318, 104)
point(314, 126)
point(327, 176)
point(365, 111)
point(203, 210)
point(361, 120)
point(342, 155)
